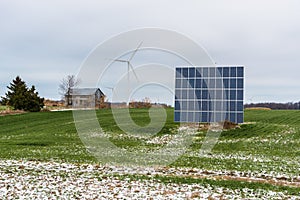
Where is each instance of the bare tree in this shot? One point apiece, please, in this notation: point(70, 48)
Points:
point(66, 85)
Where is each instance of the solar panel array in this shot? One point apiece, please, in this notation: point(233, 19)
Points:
point(209, 94)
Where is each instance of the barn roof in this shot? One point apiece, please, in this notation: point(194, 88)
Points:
point(85, 91)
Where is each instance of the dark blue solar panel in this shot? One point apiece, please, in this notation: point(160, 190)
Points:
point(219, 83)
point(226, 94)
point(190, 116)
point(177, 94)
point(198, 106)
point(225, 72)
point(240, 95)
point(183, 116)
point(178, 72)
point(212, 72)
point(240, 72)
point(191, 95)
point(198, 72)
point(198, 94)
point(198, 116)
point(226, 83)
point(218, 105)
point(211, 83)
point(204, 94)
point(205, 72)
point(191, 83)
point(232, 94)
point(232, 83)
point(240, 118)
point(219, 72)
point(198, 83)
point(184, 83)
point(177, 105)
point(204, 117)
point(240, 106)
point(218, 116)
point(184, 94)
point(191, 72)
point(184, 105)
point(219, 94)
point(178, 83)
point(240, 83)
point(232, 106)
point(204, 105)
point(227, 116)
point(232, 117)
point(204, 83)
point(185, 72)
point(212, 94)
point(191, 105)
point(208, 94)
point(177, 116)
point(226, 105)
point(232, 71)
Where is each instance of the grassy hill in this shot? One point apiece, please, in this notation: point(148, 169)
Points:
point(267, 146)
point(52, 135)
point(269, 143)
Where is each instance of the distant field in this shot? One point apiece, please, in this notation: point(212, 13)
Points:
point(269, 146)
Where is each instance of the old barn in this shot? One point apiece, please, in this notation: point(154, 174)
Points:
point(85, 98)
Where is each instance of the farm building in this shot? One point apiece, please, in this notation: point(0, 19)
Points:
point(85, 98)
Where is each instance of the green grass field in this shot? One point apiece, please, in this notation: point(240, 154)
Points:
point(52, 135)
point(268, 144)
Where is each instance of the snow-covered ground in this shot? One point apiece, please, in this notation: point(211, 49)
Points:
point(52, 180)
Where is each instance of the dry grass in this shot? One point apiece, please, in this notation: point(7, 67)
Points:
point(11, 112)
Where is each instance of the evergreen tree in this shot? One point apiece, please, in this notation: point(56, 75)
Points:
point(15, 97)
point(22, 98)
point(33, 102)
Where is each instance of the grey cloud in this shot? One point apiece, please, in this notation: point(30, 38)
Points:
point(45, 40)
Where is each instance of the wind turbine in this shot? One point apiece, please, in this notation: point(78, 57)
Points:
point(129, 66)
point(112, 90)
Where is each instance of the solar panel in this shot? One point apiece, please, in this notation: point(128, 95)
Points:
point(209, 94)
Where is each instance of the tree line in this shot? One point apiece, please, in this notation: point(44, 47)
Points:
point(275, 106)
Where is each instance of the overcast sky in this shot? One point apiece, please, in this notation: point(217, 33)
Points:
point(43, 41)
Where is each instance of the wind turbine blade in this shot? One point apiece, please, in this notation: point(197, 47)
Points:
point(118, 60)
point(135, 51)
point(115, 60)
point(133, 71)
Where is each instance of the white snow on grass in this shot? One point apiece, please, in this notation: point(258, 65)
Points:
point(52, 180)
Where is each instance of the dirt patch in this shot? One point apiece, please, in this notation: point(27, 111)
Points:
point(230, 125)
point(274, 181)
point(11, 112)
point(227, 125)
